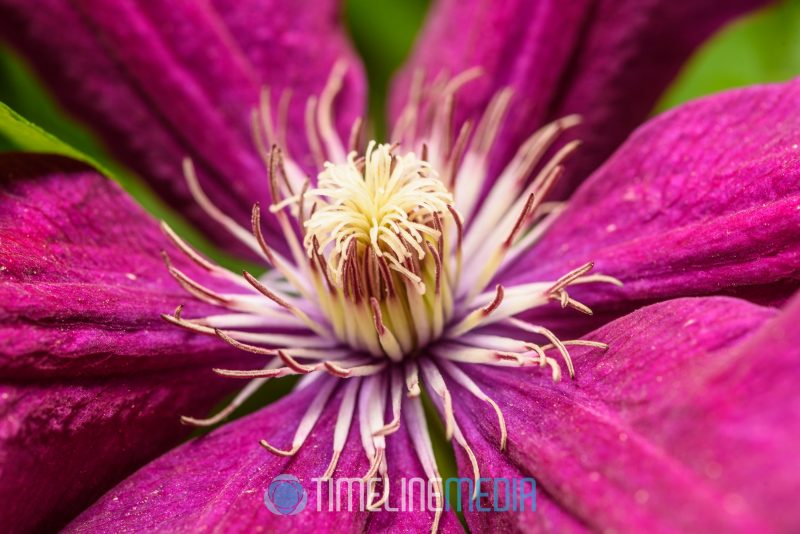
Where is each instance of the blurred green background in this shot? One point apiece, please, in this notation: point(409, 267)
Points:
point(763, 47)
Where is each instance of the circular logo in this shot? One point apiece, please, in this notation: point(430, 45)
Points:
point(285, 495)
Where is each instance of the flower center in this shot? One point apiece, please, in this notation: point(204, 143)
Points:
point(375, 264)
point(379, 228)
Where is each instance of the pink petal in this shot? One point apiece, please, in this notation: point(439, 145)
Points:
point(93, 380)
point(684, 424)
point(704, 199)
point(64, 442)
point(167, 79)
point(83, 283)
point(607, 60)
point(219, 481)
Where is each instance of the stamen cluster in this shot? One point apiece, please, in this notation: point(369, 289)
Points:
point(373, 289)
point(380, 227)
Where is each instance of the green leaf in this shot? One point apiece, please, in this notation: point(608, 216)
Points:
point(26, 136)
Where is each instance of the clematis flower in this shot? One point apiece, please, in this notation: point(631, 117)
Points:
point(634, 349)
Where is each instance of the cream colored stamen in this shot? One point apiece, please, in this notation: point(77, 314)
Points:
point(388, 280)
point(377, 232)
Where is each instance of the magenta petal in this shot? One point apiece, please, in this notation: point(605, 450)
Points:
point(404, 466)
point(550, 515)
point(607, 60)
point(83, 283)
point(168, 79)
point(701, 200)
point(63, 443)
point(92, 380)
point(219, 480)
point(684, 424)
point(500, 512)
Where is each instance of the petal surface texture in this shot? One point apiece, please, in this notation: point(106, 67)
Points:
point(704, 199)
point(160, 81)
point(92, 380)
point(685, 424)
point(606, 60)
point(218, 482)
